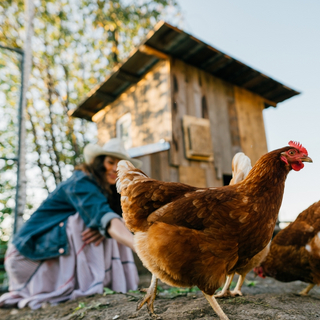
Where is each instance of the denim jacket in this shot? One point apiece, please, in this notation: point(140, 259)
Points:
point(44, 235)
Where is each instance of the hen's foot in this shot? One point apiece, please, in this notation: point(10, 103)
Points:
point(236, 293)
point(150, 296)
point(305, 292)
point(302, 294)
point(223, 294)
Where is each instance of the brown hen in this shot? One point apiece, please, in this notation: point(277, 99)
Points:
point(189, 236)
point(241, 166)
point(295, 251)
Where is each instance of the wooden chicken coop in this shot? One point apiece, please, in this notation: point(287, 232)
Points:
point(184, 108)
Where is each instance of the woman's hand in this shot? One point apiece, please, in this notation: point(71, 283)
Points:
point(92, 235)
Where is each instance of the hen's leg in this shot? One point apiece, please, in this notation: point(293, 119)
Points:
point(151, 293)
point(217, 309)
point(237, 290)
point(225, 292)
point(305, 291)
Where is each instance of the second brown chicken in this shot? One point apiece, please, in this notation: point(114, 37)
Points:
point(241, 166)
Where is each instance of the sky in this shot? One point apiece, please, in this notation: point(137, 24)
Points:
point(280, 38)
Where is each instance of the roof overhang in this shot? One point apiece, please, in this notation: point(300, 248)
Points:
point(167, 41)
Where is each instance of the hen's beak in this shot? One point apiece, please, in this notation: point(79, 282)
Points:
point(306, 159)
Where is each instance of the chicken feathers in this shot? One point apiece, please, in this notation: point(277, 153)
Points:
point(189, 236)
point(295, 251)
point(241, 166)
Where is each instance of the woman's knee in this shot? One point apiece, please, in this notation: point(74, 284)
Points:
point(19, 267)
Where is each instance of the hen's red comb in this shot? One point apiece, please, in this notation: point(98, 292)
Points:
point(298, 146)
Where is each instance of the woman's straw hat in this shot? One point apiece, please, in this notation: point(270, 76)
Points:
point(114, 147)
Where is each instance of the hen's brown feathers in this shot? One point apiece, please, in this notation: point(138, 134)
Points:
point(190, 236)
point(295, 251)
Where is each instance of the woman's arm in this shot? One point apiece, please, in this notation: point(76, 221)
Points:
point(118, 231)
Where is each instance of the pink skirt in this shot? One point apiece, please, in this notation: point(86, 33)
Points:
point(86, 270)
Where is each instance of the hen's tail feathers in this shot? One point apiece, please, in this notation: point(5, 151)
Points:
point(241, 166)
point(128, 174)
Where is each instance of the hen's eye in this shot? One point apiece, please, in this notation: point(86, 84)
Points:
point(291, 152)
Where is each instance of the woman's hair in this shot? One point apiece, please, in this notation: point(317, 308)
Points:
point(97, 169)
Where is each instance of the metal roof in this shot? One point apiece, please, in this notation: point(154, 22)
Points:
point(165, 41)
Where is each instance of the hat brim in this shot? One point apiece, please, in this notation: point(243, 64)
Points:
point(92, 151)
point(137, 163)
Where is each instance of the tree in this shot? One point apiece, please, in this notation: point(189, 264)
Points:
point(75, 44)
point(26, 70)
point(9, 78)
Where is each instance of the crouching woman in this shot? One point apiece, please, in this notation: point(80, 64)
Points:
point(75, 243)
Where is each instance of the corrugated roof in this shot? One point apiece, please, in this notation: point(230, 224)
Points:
point(166, 40)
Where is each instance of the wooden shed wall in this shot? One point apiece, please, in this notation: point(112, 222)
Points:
point(251, 126)
point(189, 86)
point(158, 103)
point(157, 166)
point(150, 107)
point(235, 115)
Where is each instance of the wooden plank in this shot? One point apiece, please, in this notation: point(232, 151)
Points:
point(153, 52)
point(146, 164)
point(251, 126)
point(193, 91)
point(156, 166)
point(218, 94)
point(211, 176)
point(164, 165)
point(174, 173)
point(193, 176)
point(156, 172)
point(179, 109)
point(123, 75)
point(234, 126)
point(160, 168)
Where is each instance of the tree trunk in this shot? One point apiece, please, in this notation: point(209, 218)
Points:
point(26, 70)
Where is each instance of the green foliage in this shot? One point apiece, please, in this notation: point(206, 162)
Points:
point(174, 292)
point(107, 291)
point(250, 283)
point(178, 290)
point(75, 45)
point(9, 98)
point(80, 306)
point(84, 308)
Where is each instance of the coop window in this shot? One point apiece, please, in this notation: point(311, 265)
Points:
point(123, 127)
point(197, 138)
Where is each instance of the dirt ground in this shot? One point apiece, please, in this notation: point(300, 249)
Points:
point(263, 299)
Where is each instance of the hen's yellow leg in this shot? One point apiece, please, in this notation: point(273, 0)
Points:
point(237, 290)
point(225, 292)
point(150, 296)
point(305, 291)
point(215, 306)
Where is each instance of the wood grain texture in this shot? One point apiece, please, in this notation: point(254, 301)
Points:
point(251, 126)
point(197, 138)
point(194, 176)
point(148, 101)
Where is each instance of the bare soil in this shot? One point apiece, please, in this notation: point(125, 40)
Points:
point(262, 299)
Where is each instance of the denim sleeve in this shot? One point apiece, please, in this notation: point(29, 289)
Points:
point(105, 222)
point(87, 199)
